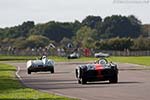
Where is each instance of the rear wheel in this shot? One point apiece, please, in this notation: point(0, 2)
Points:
point(79, 82)
point(29, 72)
point(83, 81)
point(114, 79)
point(79, 75)
point(69, 57)
point(52, 70)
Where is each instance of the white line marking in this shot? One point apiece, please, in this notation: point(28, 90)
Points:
point(42, 90)
point(59, 94)
point(18, 70)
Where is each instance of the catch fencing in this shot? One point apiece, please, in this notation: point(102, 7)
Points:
point(61, 52)
point(128, 53)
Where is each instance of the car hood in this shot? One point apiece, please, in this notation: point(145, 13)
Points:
point(95, 66)
point(43, 62)
point(37, 62)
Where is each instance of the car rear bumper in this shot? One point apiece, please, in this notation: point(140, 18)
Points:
point(40, 68)
point(95, 75)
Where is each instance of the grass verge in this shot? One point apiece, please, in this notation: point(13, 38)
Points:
point(141, 60)
point(11, 88)
point(16, 58)
point(55, 58)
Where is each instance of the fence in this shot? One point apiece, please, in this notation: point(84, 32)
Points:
point(128, 53)
point(61, 52)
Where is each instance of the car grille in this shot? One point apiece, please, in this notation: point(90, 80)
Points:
point(40, 65)
point(92, 73)
point(106, 72)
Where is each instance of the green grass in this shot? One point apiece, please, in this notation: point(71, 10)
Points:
point(64, 59)
point(141, 60)
point(16, 58)
point(11, 88)
point(55, 58)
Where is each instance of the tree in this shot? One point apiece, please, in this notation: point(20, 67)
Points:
point(20, 43)
point(120, 43)
point(141, 43)
point(55, 31)
point(84, 33)
point(146, 30)
point(2, 33)
point(17, 31)
point(114, 44)
point(92, 21)
point(37, 41)
point(85, 36)
point(76, 26)
point(121, 26)
point(25, 28)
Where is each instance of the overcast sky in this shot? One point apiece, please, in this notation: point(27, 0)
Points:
point(15, 12)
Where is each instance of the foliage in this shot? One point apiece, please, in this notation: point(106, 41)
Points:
point(146, 30)
point(37, 41)
point(33, 41)
point(114, 44)
point(121, 26)
point(17, 31)
point(20, 43)
point(92, 21)
point(85, 36)
point(91, 32)
point(55, 30)
point(141, 43)
point(117, 43)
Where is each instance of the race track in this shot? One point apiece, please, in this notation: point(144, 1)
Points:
point(134, 83)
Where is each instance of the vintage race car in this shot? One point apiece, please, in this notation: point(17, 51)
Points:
point(42, 64)
point(101, 55)
point(74, 55)
point(98, 71)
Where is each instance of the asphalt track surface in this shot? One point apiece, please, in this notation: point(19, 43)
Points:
point(134, 83)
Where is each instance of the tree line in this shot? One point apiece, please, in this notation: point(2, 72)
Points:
point(114, 32)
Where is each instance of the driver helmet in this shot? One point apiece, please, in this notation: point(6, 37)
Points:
point(43, 57)
point(102, 61)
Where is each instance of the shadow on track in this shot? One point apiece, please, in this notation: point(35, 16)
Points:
point(73, 84)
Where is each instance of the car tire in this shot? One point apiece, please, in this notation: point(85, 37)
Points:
point(79, 81)
point(78, 73)
point(52, 71)
point(79, 76)
point(114, 79)
point(83, 81)
point(29, 72)
point(69, 57)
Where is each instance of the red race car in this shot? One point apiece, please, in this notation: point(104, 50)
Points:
point(98, 71)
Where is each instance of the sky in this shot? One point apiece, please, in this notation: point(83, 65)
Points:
point(15, 12)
